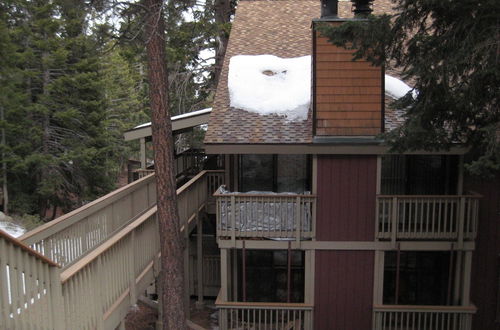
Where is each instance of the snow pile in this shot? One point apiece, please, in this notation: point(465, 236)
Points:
point(11, 228)
point(396, 88)
point(268, 84)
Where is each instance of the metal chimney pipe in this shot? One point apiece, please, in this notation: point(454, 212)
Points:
point(362, 8)
point(329, 8)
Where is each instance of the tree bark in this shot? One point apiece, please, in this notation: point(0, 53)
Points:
point(222, 16)
point(172, 271)
point(5, 192)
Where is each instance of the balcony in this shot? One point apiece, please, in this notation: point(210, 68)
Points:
point(263, 315)
point(422, 217)
point(265, 215)
point(399, 317)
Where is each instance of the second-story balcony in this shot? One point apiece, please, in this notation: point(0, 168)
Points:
point(424, 217)
point(265, 215)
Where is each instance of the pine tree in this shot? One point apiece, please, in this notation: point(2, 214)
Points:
point(450, 50)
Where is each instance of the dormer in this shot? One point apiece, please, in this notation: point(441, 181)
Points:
point(348, 96)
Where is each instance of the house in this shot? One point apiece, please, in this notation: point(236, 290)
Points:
point(319, 226)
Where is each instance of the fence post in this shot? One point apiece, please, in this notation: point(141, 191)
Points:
point(394, 221)
point(99, 294)
point(461, 221)
point(199, 260)
point(298, 210)
point(233, 220)
point(131, 270)
point(57, 299)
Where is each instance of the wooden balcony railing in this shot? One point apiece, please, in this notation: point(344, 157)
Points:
point(427, 217)
point(258, 315)
point(72, 235)
point(398, 317)
point(269, 215)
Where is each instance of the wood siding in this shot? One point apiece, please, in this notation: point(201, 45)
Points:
point(348, 95)
point(343, 290)
point(346, 198)
point(485, 290)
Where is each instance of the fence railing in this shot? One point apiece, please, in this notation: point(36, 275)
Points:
point(101, 286)
point(396, 317)
point(259, 315)
point(270, 215)
point(30, 288)
point(427, 217)
point(72, 235)
point(95, 291)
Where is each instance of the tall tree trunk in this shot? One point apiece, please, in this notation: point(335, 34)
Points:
point(222, 17)
point(5, 192)
point(172, 270)
point(45, 171)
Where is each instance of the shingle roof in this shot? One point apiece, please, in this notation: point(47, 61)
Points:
point(281, 28)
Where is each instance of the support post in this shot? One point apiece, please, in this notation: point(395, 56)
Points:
point(466, 278)
point(58, 307)
point(143, 153)
point(461, 223)
point(131, 270)
point(223, 275)
point(199, 259)
point(394, 221)
point(187, 274)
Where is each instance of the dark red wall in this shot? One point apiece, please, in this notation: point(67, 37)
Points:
point(485, 260)
point(343, 295)
point(346, 198)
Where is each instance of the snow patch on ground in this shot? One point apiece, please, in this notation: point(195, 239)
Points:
point(12, 229)
point(396, 88)
point(267, 84)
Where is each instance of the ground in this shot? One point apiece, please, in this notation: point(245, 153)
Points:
point(144, 317)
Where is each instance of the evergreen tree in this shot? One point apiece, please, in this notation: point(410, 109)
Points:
point(450, 50)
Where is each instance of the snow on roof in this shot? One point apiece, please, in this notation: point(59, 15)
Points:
point(396, 88)
point(267, 84)
point(184, 115)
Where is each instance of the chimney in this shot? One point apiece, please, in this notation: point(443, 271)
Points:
point(329, 8)
point(348, 96)
point(362, 8)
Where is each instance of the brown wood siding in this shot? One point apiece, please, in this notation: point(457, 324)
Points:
point(485, 260)
point(341, 87)
point(343, 290)
point(346, 198)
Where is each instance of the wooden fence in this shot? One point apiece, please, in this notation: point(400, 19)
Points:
point(265, 215)
point(395, 317)
point(96, 290)
point(427, 217)
point(256, 315)
point(72, 235)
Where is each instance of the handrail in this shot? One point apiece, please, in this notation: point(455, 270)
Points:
point(104, 200)
point(423, 308)
point(73, 269)
point(470, 194)
point(218, 193)
point(27, 249)
point(75, 234)
point(77, 266)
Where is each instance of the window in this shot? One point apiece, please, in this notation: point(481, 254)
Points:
point(421, 278)
point(419, 175)
point(278, 173)
point(266, 276)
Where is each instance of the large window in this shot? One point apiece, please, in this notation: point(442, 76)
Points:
point(271, 276)
point(417, 278)
point(419, 175)
point(278, 173)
